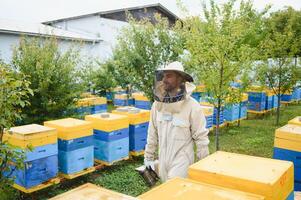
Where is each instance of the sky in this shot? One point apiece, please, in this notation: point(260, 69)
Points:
point(46, 10)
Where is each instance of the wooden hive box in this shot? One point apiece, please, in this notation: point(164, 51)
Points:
point(182, 189)
point(273, 179)
point(90, 191)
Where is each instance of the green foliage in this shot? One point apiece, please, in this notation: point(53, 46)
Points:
point(277, 51)
point(104, 78)
point(142, 47)
point(54, 77)
point(14, 92)
point(219, 47)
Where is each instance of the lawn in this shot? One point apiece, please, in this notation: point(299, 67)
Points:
point(253, 137)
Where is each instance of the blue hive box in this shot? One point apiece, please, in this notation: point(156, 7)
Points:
point(146, 105)
point(138, 136)
point(111, 151)
point(73, 144)
point(231, 112)
point(99, 108)
point(37, 171)
point(111, 136)
point(77, 160)
point(243, 110)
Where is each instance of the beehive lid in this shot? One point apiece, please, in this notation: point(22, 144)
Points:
point(295, 121)
point(68, 124)
point(179, 188)
point(90, 191)
point(106, 117)
point(30, 129)
point(243, 166)
point(268, 177)
point(135, 115)
point(289, 132)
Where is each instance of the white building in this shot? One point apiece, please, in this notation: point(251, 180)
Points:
point(97, 31)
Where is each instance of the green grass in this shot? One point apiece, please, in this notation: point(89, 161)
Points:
point(253, 137)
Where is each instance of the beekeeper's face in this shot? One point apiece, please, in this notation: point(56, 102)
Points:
point(171, 80)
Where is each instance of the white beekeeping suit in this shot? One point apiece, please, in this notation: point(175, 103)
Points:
point(176, 123)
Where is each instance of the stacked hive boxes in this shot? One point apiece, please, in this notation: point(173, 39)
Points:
point(208, 112)
point(89, 191)
point(75, 144)
point(256, 100)
point(180, 189)
point(141, 101)
point(273, 179)
point(111, 137)
point(269, 100)
point(92, 105)
point(41, 164)
point(138, 120)
point(275, 101)
point(287, 146)
point(221, 115)
point(243, 106)
point(231, 112)
point(286, 97)
point(121, 100)
point(295, 94)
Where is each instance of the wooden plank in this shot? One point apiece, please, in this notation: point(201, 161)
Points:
point(75, 175)
point(109, 164)
point(38, 187)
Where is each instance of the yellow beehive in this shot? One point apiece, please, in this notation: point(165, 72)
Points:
point(256, 88)
point(86, 95)
point(139, 97)
point(82, 103)
point(99, 100)
point(269, 92)
point(33, 135)
point(120, 96)
point(273, 179)
point(288, 137)
point(179, 188)
point(295, 121)
point(108, 122)
point(135, 115)
point(200, 88)
point(90, 191)
point(207, 110)
point(71, 128)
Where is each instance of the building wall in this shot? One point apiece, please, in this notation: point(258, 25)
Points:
point(87, 49)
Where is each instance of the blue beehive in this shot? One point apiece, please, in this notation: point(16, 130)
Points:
point(40, 163)
point(231, 112)
point(75, 144)
point(138, 126)
point(221, 119)
point(269, 103)
point(275, 101)
point(287, 97)
point(287, 146)
point(196, 96)
point(243, 109)
point(257, 101)
point(146, 105)
point(111, 136)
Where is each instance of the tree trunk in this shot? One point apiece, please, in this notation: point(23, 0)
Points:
point(1, 133)
point(278, 109)
point(217, 125)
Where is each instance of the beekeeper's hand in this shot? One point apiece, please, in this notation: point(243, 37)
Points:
point(149, 164)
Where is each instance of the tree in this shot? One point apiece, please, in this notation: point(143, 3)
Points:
point(277, 51)
point(54, 77)
point(14, 94)
point(220, 49)
point(142, 47)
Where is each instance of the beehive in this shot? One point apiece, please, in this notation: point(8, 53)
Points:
point(139, 121)
point(111, 136)
point(90, 191)
point(270, 178)
point(111, 123)
point(30, 135)
point(295, 121)
point(179, 188)
point(287, 146)
point(70, 128)
point(40, 163)
point(76, 151)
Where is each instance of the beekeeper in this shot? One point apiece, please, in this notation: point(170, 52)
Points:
point(176, 123)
